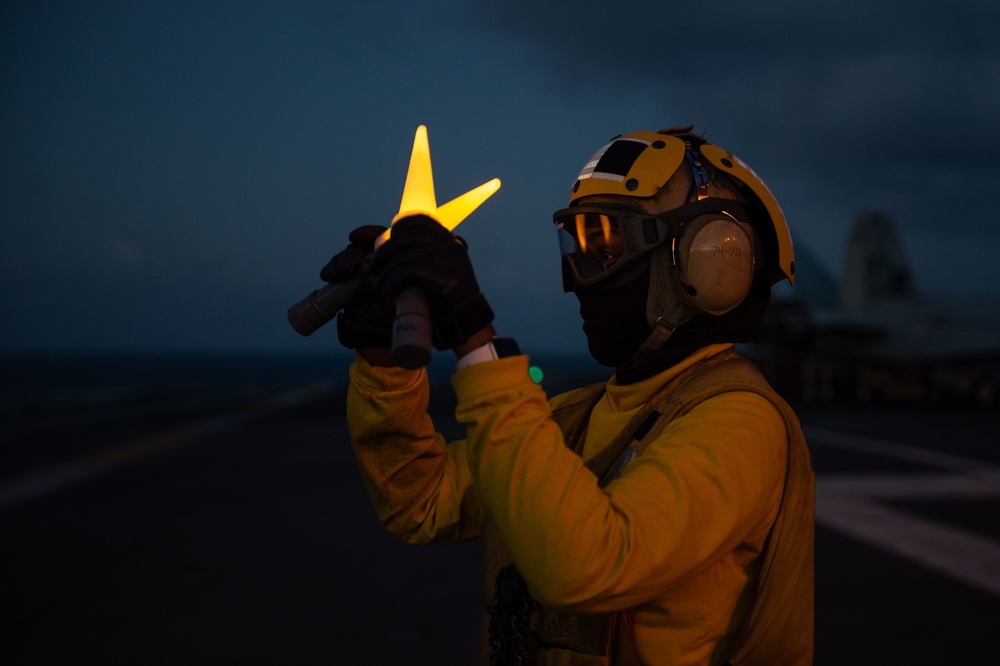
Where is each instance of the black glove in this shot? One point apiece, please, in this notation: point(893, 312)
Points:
point(422, 253)
point(366, 320)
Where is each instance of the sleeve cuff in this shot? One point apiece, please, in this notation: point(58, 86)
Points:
point(506, 374)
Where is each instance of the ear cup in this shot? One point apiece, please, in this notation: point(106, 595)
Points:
point(715, 262)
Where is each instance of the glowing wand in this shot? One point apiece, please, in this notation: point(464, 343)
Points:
point(322, 305)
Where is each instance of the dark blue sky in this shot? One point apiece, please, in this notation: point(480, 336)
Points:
point(175, 173)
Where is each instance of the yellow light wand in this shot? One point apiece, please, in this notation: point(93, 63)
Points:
point(418, 191)
point(322, 305)
point(411, 329)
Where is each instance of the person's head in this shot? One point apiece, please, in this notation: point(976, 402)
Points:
point(670, 243)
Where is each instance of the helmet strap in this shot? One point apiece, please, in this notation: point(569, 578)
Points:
point(699, 174)
point(675, 315)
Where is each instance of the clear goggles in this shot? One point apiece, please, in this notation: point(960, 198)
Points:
point(597, 242)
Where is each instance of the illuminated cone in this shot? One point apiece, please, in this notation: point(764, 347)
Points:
point(418, 192)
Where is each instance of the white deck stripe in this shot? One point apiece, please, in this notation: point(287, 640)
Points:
point(895, 450)
point(34, 485)
point(850, 504)
point(948, 550)
point(921, 485)
point(38, 484)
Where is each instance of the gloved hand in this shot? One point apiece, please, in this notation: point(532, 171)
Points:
point(422, 253)
point(366, 320)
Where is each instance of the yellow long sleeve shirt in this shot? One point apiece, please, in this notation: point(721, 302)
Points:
point(675, 538)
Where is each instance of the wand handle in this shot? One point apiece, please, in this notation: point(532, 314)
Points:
point(412, 330)
point(322, 305)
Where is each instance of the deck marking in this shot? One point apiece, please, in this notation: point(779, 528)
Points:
point(33, 485)
point(855, 505)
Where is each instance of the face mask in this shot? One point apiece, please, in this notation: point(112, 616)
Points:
point(614, 319)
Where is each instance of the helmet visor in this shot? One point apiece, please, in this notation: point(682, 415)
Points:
point(598, 242)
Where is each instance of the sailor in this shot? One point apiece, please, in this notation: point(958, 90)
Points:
point(662, 517)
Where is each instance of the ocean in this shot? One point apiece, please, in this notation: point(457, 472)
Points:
point(34, 384)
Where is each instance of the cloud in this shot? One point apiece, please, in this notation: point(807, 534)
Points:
point(877, 72)
point(633, 31)
point(845, 106)
point(125, 252)
point(202, 156)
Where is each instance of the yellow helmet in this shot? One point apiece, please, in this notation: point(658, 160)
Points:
point(640, 164)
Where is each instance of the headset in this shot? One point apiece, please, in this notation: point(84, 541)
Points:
point(716, 245)
point(712, 250)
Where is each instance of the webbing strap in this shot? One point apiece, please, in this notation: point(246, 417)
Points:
point(640, 426)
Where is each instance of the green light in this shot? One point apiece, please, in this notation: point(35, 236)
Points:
point(535, 373)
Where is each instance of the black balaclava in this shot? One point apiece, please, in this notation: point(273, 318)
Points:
point(614, 320)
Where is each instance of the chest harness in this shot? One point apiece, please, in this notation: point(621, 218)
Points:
point(522, 632)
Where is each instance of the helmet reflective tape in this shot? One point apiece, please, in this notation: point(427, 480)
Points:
point(634, 165)
point(715, 261)
point(728, 163)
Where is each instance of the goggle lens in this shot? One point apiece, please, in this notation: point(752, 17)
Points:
point(598, 241)
point(592, 241)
